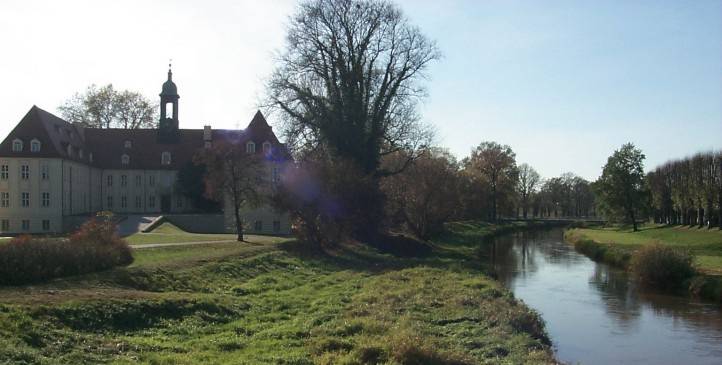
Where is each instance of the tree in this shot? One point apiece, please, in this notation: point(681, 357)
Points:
point(348, 82)
point(426, 194)
point(234, 175)
point(621, 186)
point(526, 185)
point(106, 107)
point(190, 182)
point(496, 164)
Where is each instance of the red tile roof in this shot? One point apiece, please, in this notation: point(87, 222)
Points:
point(108, 145)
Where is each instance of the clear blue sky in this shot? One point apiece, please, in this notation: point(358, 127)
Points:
point(562, 82)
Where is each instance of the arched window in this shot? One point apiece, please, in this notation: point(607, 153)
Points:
point(34, 145)
point(127, 144)
point(266, 147)
point(250, 147)
point(17, 145)
point(125, 159)
point(165, 158)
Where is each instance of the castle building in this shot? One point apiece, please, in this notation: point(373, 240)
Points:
point(55, 174)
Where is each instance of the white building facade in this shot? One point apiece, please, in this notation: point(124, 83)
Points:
point(54, 174)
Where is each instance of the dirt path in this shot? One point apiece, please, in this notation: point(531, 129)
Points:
point(171, 244)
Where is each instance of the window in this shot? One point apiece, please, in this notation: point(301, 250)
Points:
point(258, 226)
point(44, 172)
point(125, 159)
point(26, 225)
point(4, 199)
point(5, 225)
point(179, 201)
point(4, 172)
point(137, 202)
point(151, 201)
point(90, 157)
point(24, 172)
point(151, 180)
point(266, 147)
point(123, 201)
point(276, 226)
point(110, 202)
point(25, 199)
point(17, 145)
point(110, 180)
point(123, 180)
point(138, 180)
point(276, 174)
point(34, 145)
point(70, 150)
point(80, 153)
point(46, 224)
point(45, 199)
point(165, 158)
point(127, 144)
point(250, 147)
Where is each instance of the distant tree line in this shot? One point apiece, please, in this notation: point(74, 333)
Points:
point(688, 191)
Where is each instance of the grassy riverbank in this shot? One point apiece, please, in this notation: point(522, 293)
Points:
point(617, 245)
point(277, 302)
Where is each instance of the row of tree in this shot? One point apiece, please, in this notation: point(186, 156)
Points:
point(688, 191)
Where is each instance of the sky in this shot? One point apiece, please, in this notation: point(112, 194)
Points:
point(564, 83)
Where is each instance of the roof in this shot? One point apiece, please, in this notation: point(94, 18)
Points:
point(108, 145)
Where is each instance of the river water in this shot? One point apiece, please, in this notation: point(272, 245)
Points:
point(595, 314)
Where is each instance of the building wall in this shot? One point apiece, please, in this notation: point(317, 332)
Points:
point(141, 191)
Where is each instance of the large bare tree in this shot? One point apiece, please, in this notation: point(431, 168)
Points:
point(235, 176)
point(348, 80)
point(526, 185)
point(106, 107)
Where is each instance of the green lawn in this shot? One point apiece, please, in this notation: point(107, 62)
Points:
point(705, 244)
point(275, 303)
point(168, 233)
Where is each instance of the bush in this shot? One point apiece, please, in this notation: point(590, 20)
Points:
point(94, 247)
point(660, 266)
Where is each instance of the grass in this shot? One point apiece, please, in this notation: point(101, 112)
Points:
point(705, 244)
point(168, 233)
point(276, 303)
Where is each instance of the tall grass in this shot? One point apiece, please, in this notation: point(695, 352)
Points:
point(94, 247)
point(661, 266)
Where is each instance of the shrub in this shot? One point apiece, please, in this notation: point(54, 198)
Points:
point(660, 266)
point(94, 247)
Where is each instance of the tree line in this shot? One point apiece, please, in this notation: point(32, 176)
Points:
point(688, 191)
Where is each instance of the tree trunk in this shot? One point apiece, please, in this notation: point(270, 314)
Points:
point(239, 225)
point(700, 217)
point(634, 220)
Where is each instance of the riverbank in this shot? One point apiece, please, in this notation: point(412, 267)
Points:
point(278, 302)
point(615, 246)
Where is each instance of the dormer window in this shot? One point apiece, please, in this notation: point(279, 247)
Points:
point(127, 144)
point(266, 147)
point(80, 153)
point(70, 150)
point(250, 147)
point(165, 158)
point(125, 159)
point(17, 145)
point(90, 157)
point(34, 145)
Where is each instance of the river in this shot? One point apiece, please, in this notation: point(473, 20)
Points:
point(595, 314)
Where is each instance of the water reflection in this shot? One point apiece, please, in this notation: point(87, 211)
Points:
point(595, 314)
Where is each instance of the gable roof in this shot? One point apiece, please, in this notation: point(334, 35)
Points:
point(107, 146)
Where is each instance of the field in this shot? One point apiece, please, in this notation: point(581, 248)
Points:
point(276, 301)
point(705, 244)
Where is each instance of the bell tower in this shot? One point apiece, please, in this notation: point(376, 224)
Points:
point(168, 124)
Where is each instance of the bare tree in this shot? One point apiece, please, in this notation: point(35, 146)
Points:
point(426, 194)
point(526, 185)
point(348, 80)
point(106, 107)
point(497, 165)
point(235, 175)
